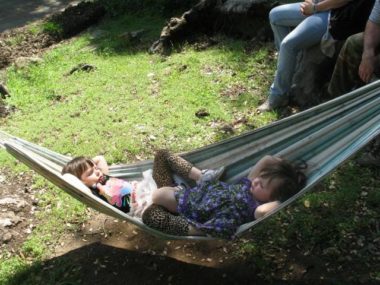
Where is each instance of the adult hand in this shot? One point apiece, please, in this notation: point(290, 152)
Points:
point(307, 7)
point(366, 68)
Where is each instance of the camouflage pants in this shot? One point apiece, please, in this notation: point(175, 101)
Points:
point(345, 77)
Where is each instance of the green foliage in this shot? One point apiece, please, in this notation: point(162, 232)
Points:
point(10, 267)
point(52, 28)
point(35, 28)
point(14, 40)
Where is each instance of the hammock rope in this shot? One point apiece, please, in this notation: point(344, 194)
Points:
point(324, 136)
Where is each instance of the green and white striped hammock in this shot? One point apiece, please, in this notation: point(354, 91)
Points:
point(324, 136)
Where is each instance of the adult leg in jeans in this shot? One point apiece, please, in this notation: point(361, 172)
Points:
point(283, 19)
point(308, 33)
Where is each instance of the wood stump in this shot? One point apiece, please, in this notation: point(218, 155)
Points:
point(312, 76)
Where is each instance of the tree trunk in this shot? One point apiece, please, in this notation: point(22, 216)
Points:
point(312, 76)
point(237, 18)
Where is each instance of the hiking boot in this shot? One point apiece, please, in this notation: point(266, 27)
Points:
point(369, 159)
point(210, 175)
point(273, 102)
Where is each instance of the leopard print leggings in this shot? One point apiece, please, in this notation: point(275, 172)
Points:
point(165, 164)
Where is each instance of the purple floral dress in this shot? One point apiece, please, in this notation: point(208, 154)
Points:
point(218, 208)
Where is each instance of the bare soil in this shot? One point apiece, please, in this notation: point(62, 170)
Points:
point(18, 205)
point(107, 250)
point(22, 42)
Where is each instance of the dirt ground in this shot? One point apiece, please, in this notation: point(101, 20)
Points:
point(106, 250)
point(20, 45)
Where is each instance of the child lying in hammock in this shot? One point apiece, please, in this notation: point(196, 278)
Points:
point(131, 197)
point(217, 208)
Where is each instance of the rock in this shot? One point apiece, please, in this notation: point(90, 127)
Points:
point(5, 222)
point(22, 204)
point(7, 237)
point(9, 219)
point(8, 201)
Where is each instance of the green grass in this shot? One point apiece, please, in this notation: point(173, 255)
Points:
point(132, 104)
point(131, 94)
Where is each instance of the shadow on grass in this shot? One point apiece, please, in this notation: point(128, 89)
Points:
point(102, 264)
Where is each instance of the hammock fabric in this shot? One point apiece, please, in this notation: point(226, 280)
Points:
point(324, 136)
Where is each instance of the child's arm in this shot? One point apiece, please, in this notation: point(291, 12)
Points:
point(264, 162)
point(102, 192)
point(101, 163)
point(101, 188)
point(264, 209)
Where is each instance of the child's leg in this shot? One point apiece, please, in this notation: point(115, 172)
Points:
point(166, 163)
point(165, 197)
point(159, 218)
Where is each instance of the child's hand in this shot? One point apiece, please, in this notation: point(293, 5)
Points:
point(101, 163)
point(101, 188)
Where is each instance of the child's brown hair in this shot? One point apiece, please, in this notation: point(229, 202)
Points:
point(291, 176)
point(77, 166)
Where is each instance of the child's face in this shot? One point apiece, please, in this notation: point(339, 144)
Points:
point(91, 176)
point(262, 188)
